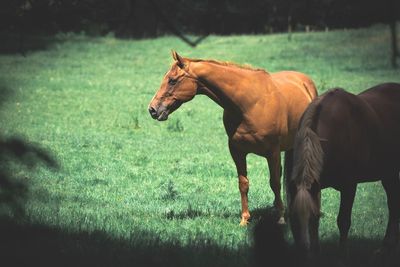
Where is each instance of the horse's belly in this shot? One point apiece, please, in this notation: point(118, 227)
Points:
point(253, 143)
point(340, 176)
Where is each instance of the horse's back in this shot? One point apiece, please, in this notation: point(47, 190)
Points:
point(360, 132)
point(384, 99)
point(291, 81)
point(347, 123)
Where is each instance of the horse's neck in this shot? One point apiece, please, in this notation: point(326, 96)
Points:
point(228, 85)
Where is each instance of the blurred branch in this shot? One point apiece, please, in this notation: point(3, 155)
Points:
point(174, 29)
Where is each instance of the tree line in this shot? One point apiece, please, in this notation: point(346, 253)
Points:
point(152, 18)
point(149, 18)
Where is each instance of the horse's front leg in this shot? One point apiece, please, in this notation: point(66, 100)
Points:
point(344, 217)
point(275, 171)
point(240, 161)
point(392, 188)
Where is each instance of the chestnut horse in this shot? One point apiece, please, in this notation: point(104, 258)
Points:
point(261, 110)
point(345, 139)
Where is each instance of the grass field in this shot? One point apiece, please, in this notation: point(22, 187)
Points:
point(130, 191)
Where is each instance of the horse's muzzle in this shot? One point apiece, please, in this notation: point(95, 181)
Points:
point(161, 114)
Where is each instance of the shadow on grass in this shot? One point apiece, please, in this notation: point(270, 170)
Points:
point(15, 153)
point(36, 245)
point(16, 43)
point(5, 93)
point(272, 249)
point(27, 244)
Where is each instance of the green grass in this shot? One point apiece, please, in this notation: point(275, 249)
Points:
point(133, 191)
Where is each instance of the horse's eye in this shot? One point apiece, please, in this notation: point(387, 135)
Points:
point(172, 81)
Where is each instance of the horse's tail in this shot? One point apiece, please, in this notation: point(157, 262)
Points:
point(308, 154)
point(303, 207)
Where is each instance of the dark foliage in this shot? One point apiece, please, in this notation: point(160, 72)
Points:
point(142, 18)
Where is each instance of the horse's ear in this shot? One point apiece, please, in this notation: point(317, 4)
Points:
point(173, 53)
point(178, 59)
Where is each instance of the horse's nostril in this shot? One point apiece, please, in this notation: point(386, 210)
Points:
point(152, 111)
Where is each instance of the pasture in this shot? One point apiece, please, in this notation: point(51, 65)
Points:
point(133, 191)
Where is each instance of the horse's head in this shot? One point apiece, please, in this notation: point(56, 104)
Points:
point(177, 87)
point(304, 201)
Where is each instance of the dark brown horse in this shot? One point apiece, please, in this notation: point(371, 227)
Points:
point(261, 110)
point(345, 139)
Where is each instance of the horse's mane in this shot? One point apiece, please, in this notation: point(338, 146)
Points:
point(308, 160)
point(227, 63)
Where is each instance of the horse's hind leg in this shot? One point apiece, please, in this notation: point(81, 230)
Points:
point(392, 188)
point(275, 170)
point(344, 217)
point(287, 172)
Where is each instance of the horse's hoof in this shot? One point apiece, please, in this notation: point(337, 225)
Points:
point(281, 221)
point(244, 222)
